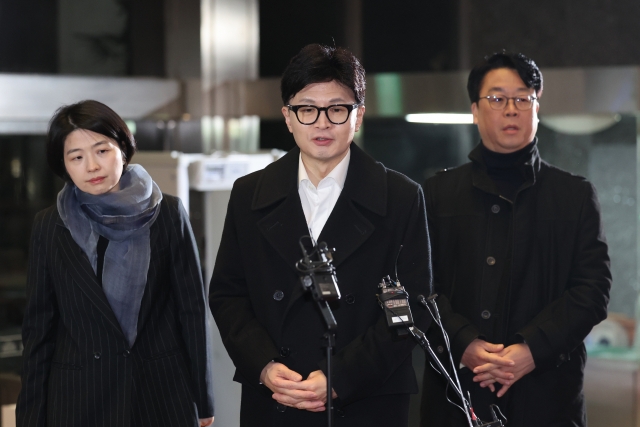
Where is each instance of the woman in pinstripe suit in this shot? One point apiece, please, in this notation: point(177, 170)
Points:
point(117, 329)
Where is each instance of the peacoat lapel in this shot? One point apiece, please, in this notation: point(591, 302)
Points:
point(346, 229)
point(285, 224)
point(365, 186)
point(78, 266)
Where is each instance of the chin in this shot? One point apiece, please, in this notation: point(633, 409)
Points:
point(96, 191)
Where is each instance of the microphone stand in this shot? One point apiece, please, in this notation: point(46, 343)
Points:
point(309, 283)
point(422, 340)
point(329, 342)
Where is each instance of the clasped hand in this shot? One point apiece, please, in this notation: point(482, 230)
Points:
point(493, 363)
point(290, 389)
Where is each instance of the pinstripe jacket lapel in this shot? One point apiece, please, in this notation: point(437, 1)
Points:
point(80, 269)
point(152, 276)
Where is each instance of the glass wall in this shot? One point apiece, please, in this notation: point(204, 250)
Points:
point(26, 187)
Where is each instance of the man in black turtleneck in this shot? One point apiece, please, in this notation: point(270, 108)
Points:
point(520, 263)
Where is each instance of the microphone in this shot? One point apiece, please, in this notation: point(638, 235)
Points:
point(319, 275)
point(422, 300)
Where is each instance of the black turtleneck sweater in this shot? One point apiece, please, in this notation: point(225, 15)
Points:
point(505, 169)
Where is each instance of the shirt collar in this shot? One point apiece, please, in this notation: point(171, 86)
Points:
point(339, 173)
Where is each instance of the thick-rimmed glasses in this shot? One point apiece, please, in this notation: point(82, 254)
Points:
point(309, 114)
point(499, 102)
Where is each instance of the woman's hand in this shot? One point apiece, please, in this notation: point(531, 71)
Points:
point(204, 422)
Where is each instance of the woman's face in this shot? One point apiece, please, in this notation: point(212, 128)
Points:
point(93, 161)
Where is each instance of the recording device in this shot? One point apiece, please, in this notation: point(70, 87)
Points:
point(318, 272)
point(394, 300)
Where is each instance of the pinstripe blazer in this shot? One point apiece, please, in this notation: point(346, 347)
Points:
point(78, 367)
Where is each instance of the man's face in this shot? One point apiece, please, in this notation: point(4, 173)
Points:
point(323, 142)
point(510, 129)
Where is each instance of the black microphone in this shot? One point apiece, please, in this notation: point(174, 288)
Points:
point(319, 276)
point(422, 300)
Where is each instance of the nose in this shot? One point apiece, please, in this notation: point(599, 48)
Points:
point(92, 164)
point(510, 109)
point(323, 120)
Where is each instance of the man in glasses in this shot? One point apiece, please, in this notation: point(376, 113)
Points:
point(329, 189)
point(520, 263)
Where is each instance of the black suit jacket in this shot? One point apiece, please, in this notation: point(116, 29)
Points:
point(264, 315)
point(78, 367)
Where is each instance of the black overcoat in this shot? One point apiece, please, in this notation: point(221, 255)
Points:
point(550, 239)
point(264, 315)
point(79, 369)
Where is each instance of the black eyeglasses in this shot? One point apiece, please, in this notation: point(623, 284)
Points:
point(498, 102)
point(309, 114)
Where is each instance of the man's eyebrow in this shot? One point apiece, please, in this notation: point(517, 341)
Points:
point(501, 89)
point(331, 101)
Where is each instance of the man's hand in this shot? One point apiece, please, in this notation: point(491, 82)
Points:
point(204, 422)
point(523, 363)
point(289, 389)
point(484, 357)
point(316, 383)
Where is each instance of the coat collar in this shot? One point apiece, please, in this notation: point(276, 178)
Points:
point(529, 165)
point(346, 229)
point(366, 182)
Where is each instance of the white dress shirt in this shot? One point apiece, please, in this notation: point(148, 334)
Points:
point(318, 202)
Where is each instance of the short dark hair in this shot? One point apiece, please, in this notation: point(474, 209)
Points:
point(524, 66)
point(89, 115)
point(318, 64)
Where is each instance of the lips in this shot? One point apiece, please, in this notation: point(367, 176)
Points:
point(510, 129)
point(322, 140)
point(97, 180)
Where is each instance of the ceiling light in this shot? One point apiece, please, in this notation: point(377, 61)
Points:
point(440, 118)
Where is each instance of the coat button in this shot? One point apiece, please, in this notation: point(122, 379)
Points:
point(285, 351)
point(440, 349)
point(486, 314)
point(340, 413)
point(495, 208)
point(280, 407)
point(562, 357)
point(350, 299)
point(491, 260)
point(278, 295)
point(97, 355)
point(126, 353)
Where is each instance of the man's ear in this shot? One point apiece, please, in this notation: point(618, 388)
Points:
point(359, 117)
point(287, 117)
point(474, 111)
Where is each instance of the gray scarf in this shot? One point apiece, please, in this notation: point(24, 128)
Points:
point(124, 217)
